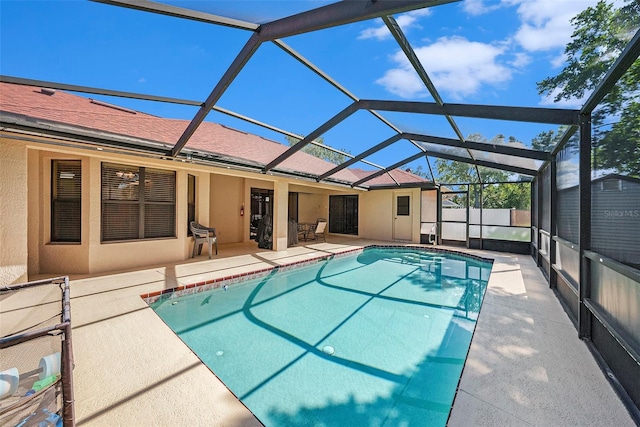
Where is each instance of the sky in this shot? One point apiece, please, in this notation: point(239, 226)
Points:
point(475, 52)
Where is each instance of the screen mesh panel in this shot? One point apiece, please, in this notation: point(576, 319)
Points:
point(568, 195)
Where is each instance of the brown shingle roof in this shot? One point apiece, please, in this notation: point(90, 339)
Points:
point(398, 176)
point(211, 138)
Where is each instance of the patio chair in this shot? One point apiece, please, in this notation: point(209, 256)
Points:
point(303, 231)
point(202, 235)
point(319, 230)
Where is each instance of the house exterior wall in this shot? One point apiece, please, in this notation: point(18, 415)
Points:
point(51, 256)
point(26, 249)
point(375, 210)
point(107, 256)
point(375, 215)
point(280, 215)
point(312, 206)
point(227, 195)
point(13, 208)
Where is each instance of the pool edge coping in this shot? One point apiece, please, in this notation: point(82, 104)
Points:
point(219, 282)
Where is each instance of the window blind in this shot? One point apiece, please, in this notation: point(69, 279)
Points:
point(66, 196)
point(130, 211)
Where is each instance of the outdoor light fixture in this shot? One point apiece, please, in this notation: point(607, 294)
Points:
point(126, 175)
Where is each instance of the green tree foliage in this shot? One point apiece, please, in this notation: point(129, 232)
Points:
point(601, 34)
point(546, 141)
point(620, 147)
point(456, 172)
point(507, 196)
point(320, 152)
point(493, 195)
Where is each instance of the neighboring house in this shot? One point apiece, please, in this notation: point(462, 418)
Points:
point(89, 187)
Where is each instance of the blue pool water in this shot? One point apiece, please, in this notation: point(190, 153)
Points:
point(374, 339)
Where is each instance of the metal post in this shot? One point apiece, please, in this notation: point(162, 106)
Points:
point(553, 212)
point(468, 207)
point(439, 216)
point(584, 285)
point(539, 206)
point(68, 412)
point(480, 204)
point(533, 203)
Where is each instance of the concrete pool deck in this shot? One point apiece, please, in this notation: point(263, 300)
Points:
point(526, 365)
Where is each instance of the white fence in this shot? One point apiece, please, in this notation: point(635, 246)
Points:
point(496, 225)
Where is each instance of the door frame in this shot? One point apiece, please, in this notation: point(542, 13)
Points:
point(402, 222)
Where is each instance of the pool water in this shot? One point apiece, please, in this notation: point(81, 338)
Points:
point(374, 339)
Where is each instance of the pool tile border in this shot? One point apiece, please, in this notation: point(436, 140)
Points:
point(220, 282)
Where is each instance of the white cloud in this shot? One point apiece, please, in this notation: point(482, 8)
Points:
point(404, 82)
point(379, 33)
point(456, 66)
point(548, 100)
point(406, 21)
point(521, 60)
point(546, 24)
point(142, 80)
point(559, 60)
point(479, 7)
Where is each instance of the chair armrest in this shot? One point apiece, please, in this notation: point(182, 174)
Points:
point(198, 232)
point(211, 230)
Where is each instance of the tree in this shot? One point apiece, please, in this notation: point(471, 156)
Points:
point(546, 141)
point(507, 196)
point(320, 152)
point(457, 172)
point(620, 147)
point(493, 195)
point(601, 34)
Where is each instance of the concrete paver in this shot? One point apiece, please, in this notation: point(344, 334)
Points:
point(526, 365)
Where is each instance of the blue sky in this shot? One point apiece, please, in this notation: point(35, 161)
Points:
point(475, 51)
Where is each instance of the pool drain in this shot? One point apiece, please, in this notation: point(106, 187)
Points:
point(327, 349)
point(219, 353)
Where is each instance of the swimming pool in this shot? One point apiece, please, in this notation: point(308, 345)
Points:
point(375, 338)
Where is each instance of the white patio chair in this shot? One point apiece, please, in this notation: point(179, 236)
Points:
point(202, 235)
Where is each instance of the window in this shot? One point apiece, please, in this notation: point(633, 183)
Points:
point(66, 209)
point(343, 214)
point(191, 201)
point(131, 211)
point(402, 208)
point(611, 185)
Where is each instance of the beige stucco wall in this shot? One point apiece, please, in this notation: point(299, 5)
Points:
point(227, 196)
point(280, 215)
point(44, 255)
point(28, 165)
point(109, 256)
point(375, 210)
point(26, 249)
point(312, 206)
point(375, 213)
point(13, 209)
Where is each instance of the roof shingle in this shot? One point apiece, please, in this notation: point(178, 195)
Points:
point(211, 138)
